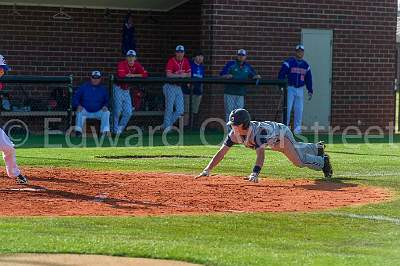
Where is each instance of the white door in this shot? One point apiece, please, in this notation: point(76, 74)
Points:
point(318, 53)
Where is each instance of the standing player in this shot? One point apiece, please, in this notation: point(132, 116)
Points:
point(234, 93)
point(6, 146)
point(197, 69)
point(128, 68)
point(298, 73)
point(258, 135)
point(177, 67)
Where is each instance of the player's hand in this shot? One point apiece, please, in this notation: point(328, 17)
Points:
point(310, 96)
point(104, 109)
point(79, 108)
point(228, 76)
point(204, 173)
point(257, 77)
point(253, 177)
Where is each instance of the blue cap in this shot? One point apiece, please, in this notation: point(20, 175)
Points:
point(131, 53)
point(242, 52)
point(300, 47)
point(180, 48)
point(96, 74)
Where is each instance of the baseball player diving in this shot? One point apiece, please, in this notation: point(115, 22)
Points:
point(258, 135)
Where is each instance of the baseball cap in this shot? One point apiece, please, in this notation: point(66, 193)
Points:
point(180, 48)
point(131, 53)
point(96, 74)
point(300, 46)
point(238, 117)
point(242, 52)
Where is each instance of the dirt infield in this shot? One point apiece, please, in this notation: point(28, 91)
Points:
point(60, 192)
point(82, 260)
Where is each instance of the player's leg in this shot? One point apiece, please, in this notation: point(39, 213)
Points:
point(179, 105)
point(80, 120)
point(298, 110)
point(229, 104)
point(169, 105)
point(196, 103)
point(186, 109)
point(104, 117)
point(290, 99)
point(300, 154)
point(117, 107)
point(7, 147)
point(239, 102)
point(127, 110)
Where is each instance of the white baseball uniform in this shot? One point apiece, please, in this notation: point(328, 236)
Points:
point(7, 147)
point(279, 137)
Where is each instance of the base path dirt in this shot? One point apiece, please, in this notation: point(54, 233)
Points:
point(82, 260)
point(60, 192)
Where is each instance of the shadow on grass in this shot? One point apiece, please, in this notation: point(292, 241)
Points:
point(327, 185)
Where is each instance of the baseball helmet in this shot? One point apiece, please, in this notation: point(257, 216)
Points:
point(238, 117)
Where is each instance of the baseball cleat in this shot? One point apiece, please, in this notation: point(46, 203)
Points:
point(22, 180)
point(327, 169)
point(321, 148)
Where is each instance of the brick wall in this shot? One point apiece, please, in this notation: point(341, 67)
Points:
point(36, 44)
point(363, 50)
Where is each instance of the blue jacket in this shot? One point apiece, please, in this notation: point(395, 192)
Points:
point(297, 72)
point(238, 71)
point(92, 98)
point(197, 72)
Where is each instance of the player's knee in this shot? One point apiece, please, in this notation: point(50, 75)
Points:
point(8, 149)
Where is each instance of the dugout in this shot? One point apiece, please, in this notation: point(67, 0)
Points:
point(360, 70)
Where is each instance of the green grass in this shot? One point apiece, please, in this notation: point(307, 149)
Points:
point(334, 237)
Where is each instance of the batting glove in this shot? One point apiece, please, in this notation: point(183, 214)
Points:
point(253, 177)
point(204, 173)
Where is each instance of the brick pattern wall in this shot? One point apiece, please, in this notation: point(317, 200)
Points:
point(36, 44)
point(363, 50)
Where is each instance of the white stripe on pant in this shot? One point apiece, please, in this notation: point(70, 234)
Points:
point(122, 107)
point(7, 147)
point(173, 98)
point(295, 97)
point(103, 116)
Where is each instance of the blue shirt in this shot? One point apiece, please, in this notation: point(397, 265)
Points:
point(197, 72)
point(92, 98)
point(297, 72)
point(238, 71)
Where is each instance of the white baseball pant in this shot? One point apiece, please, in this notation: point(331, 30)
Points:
point(7, 147)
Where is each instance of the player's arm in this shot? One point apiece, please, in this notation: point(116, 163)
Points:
point(214, 161)
point(228, 143)
point(284, 70)
point(225, 73)
point(260, 151)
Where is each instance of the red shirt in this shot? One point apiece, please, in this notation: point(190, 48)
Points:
point(124, 69)
point(175, 67)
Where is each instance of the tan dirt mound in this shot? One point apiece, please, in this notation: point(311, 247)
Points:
point(82, 260)
point(60, 192)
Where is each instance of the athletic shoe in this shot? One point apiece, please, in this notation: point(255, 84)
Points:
point(327, 169)
point(321, 148)
point(22, 180)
